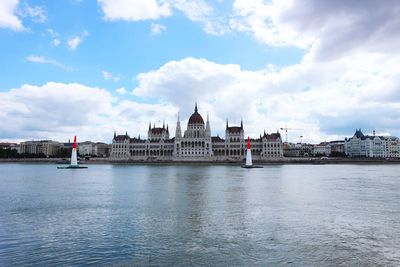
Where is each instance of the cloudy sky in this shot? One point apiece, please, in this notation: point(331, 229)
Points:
point(86, 67)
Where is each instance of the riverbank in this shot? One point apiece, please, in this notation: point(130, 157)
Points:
point(316, 161)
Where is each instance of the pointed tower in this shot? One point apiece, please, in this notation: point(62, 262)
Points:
point(149, 135)
point(167, 132)
point(178, 133)
point(208, 128)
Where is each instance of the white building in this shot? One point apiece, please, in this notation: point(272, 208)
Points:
point(322, 149)
point(337, 148)
point(361, 145)
point(86, 148)
point(195, 144)
point(47, 147)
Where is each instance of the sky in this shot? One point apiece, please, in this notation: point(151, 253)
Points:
point(88, 68)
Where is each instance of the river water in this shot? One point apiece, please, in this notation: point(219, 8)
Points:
point(182, 215)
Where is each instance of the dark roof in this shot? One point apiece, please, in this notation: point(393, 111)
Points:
point(234, 129)
point(196, 117)
point(157, 130)
point(359, 134)
point(217, 139)
point(365, 137)
point(136, 140)
point(272, 136)
point(121, 137)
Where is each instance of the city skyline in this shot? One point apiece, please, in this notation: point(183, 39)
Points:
point(94, 67)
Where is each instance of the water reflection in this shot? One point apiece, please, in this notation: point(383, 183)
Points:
point(213, 215)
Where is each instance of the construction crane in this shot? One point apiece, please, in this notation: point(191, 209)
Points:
point(286, 129)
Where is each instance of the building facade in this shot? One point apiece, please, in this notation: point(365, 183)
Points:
point(195, 144)
point(337, 148)
point(361, 145)
point(322, 149)
point(47, 147)
point(97, 149)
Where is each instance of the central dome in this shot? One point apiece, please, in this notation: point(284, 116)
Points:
point(196, 117)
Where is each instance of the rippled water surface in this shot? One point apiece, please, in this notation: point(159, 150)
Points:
point(289, 215)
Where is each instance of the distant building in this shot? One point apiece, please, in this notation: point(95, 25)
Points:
point(361, 145)
point(299, 150)
point(46, 147)
point(322, 149)
point(89, 148)
point(86, 148)
point(392, 147)
point(8, 145)
point(12, 146)
point(195, 144)
point(337, 148)
point(101, 150)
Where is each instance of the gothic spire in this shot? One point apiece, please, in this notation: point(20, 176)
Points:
point(178, 128)
point(208, 128)
point(195, 107)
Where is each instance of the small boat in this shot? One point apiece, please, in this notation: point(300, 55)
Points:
point(249, 161)
point(74, 159)
point(252, 166)
point(72, 167)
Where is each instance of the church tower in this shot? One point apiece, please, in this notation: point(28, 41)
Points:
point(178, 132)
point(208, 129)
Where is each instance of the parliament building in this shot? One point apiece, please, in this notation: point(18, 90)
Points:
point(195, 144)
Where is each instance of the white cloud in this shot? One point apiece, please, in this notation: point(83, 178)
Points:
point(121, 91)
point(91, 113)
point(134, 10)
point(157, 29)
point(200, 11)
point(43, 60)
point(8, 17)
point(262, 20)
point(56, 37)
point(75, 41)
point(328, 29)
point(11, 13)
point(109, 76)
point(56, 42)
point(37, 13)
point(321, 101)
